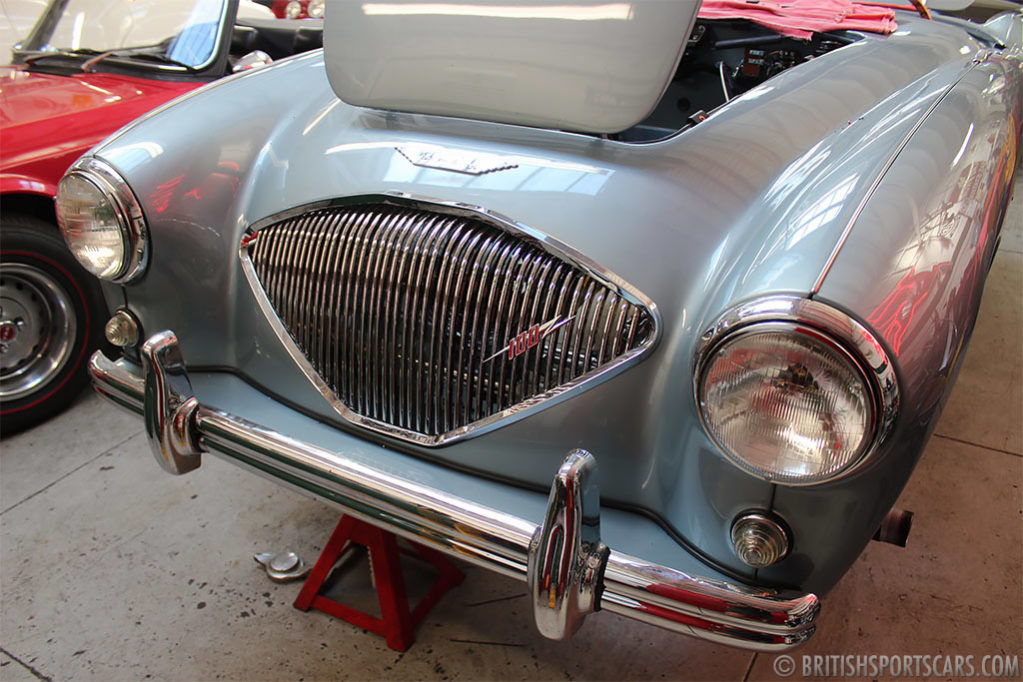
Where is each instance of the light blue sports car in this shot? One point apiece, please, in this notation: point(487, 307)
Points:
point(473, 252)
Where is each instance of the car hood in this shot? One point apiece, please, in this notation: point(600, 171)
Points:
point(43, 115)
point(31, 97)
point(577, 65)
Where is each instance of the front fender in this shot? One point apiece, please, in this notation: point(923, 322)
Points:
point(913, 268)
point(13, 183)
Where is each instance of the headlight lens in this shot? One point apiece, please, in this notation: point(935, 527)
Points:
point(101, 221)
point(315, 8)
point(293, 9)
point(786, 403)
point(91, 230)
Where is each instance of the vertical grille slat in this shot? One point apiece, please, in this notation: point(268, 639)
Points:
point(579, 364)
point(313, 251)
point(520, 321)
point(314, 316)
point(529, 385)
point(309, 253)
point(564, 340)
point(449, 313)
point(499, 329)
point(557, 338)
point(318, 295)
point(608, 315)
point(458, 316)
point(392, 316)
point(466, 351)
point(368, 342)
point(512, 281)
point(291, 268)
point(623, 309)
point(363, 291)
point(553, 296)
point(383, 272)
point(596, 310)
point(446, 260)
point(491, 286)
point(425, 323)
point(427, 231)
point(344, 300)
point(279, 269)
point(333, 292)
point(353, 281)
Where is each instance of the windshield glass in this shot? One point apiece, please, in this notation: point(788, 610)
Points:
point(186, 31)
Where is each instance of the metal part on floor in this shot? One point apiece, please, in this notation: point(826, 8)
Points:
point(282, 567)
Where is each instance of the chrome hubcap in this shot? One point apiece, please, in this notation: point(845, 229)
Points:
point(37, 329)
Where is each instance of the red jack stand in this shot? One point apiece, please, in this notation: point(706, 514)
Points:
point(397, 624)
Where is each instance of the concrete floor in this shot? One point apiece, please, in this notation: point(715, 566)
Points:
point(112, 570)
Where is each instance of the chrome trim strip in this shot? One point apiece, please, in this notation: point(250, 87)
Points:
point(437, 236)
point(739, 615)
point(130, 218)
point(846, 335)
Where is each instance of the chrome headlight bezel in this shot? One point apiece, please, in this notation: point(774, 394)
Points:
point(841, 333)
point(130, 219)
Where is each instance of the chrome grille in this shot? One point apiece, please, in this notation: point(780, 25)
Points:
point(428, 324)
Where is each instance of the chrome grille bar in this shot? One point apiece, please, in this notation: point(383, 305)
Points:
point(428, 324)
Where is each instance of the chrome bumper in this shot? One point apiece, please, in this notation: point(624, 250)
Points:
point(569, 570)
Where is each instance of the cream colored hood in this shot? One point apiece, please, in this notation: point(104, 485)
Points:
point(595, 66)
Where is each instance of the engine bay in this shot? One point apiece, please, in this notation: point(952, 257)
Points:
point(722, 60)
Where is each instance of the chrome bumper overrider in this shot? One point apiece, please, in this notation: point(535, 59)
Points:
point(569, 570)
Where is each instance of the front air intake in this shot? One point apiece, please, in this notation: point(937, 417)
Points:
point(428, 323)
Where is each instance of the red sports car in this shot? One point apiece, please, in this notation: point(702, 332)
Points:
point(299, 9)
point(88, 68)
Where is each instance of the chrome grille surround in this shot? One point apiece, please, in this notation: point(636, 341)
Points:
point(362, 293)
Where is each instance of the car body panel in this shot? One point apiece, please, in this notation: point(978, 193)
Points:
point(11, 183)
point(929, 231)
point(752, 201)
point(50, 120)
point(469, 60)
point(1008, 27)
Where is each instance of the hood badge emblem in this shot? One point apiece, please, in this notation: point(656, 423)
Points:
point(523, 341)
point(456, 160)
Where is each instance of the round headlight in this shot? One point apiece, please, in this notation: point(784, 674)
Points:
point(315, 8)
point(293, 10)
point(101, 221)
point(787, 402)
